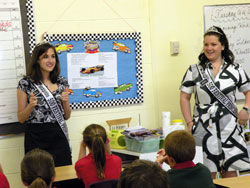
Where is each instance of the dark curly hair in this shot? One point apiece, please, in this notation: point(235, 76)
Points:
point(226, 54)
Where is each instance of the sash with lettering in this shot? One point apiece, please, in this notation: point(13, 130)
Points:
point(54, 108)
point(217, 93)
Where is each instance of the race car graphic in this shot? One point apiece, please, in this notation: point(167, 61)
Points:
point(71, 92)
point(121, 88)
point(121, 47)
point(91, 93)
point(63, 48)
point(91, 70)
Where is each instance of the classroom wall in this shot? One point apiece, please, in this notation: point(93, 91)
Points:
point(159, 21)
point(82, 16)
point(182, 21)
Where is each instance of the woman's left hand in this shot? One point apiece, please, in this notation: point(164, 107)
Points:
point(65, 95)
point(243, 117)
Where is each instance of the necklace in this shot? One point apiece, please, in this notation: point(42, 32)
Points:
point(214, 67)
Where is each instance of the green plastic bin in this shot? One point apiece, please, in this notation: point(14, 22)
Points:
point(145, 146)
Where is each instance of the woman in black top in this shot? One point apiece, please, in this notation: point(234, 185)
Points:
point(43, 103)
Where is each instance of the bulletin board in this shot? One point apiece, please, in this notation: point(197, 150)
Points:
point(234, 20)
point(103, 69)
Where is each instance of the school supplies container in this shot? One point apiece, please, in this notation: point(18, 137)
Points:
point(143, 146)
point(177, 124)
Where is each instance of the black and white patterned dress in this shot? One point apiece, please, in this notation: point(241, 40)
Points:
point(43, 131)
point(215, 128)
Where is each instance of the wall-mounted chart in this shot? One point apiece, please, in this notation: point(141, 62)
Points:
point(234, 20)
point(102, 69)
point(16, 21)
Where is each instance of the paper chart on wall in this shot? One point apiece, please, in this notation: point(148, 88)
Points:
point(12, 60)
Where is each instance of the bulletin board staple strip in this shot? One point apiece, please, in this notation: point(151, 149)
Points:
point(31, 25)
point(107, 36)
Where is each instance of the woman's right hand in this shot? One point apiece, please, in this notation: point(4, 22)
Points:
point(186, 110)
point(25, 105)
point(32, 100)
point(190, 126)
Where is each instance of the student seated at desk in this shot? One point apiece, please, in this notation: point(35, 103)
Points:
point(99, 164)
point(3, 180)
point(143, 173)
point(38, 169)
point(178, 153)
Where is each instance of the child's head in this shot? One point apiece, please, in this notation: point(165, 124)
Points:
point(37, 169)
point(95, 138)
point(143, 173)
point(180, 145)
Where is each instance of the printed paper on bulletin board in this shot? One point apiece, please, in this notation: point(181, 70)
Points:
point(102, 69)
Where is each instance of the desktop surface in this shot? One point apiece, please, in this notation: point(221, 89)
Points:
point(65, 173)
point(235, 182)
point(66, 178)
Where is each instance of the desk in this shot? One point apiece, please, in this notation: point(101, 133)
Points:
point(236, 182)
point(65, 173)
point(129, 156)
point(66, 178)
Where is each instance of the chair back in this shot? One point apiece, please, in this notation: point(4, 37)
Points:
point(104, 184)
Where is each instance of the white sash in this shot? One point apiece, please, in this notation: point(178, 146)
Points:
point(54, 108)
point(217, 93)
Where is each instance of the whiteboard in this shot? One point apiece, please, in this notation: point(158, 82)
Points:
point(234, 20)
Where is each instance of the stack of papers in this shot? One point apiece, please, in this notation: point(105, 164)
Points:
point(139, 133)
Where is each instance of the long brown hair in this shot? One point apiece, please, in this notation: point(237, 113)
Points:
point(33, 70)
point(37, 169)
point(95, 137)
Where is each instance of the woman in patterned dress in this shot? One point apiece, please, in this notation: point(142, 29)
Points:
point(43, 129)
point(214, 127)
